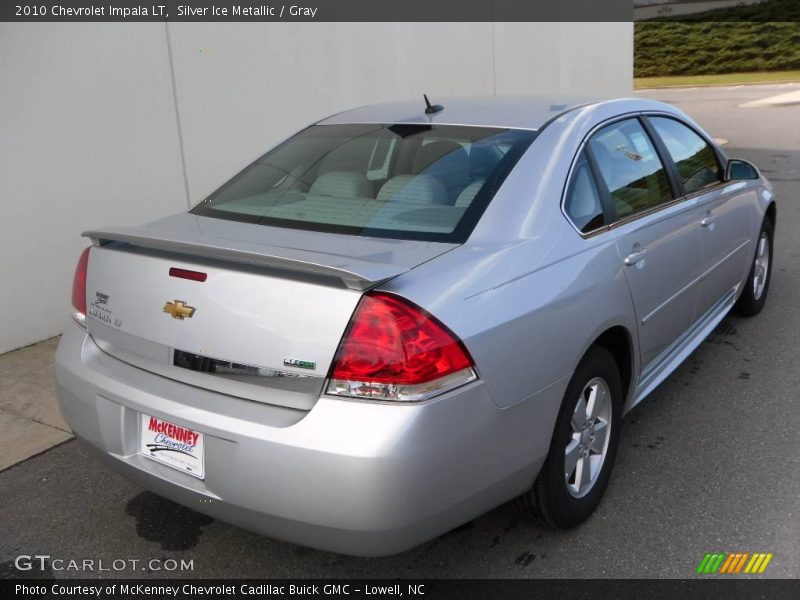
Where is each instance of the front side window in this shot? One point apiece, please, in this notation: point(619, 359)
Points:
point(630, 167)
point(694, 158)
point(582, 203)
point(406, 181)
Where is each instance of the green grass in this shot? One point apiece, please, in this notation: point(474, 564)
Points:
point(671, 48)
point(743, 39)
point(774, 11)
point(720, 79)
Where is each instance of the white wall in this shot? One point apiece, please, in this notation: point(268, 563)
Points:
point(121, 123)
point(87, 138)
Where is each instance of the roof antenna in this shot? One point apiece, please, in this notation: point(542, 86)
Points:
point(431, 109)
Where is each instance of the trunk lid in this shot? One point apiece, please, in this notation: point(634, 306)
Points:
point(266, 322)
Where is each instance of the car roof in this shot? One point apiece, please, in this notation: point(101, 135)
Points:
point(515, 112)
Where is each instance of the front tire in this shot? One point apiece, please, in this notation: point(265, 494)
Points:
point(584, 446)
point(756, 285)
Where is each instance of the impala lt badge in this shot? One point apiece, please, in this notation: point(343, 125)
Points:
point(302, 364)
point(179, 310)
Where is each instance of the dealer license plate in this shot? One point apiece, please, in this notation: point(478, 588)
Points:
point(173, 445)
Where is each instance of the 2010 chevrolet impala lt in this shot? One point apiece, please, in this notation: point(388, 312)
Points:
point(407, 314)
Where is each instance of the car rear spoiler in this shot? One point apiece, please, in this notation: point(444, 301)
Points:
point(356, 274)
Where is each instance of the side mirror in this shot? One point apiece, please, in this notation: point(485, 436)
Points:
point(738, 169)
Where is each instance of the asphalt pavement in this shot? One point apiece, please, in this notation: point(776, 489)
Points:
point(709, 462)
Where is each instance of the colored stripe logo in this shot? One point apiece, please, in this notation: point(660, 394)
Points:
point(734, 563)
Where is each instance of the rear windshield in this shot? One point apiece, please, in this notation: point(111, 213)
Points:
point(428, 182)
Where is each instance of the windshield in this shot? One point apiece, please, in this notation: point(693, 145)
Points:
point(406, 181)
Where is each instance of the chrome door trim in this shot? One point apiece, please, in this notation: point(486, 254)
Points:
point(581, 146)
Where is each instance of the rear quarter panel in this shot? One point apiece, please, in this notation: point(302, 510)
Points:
point(527, 293)
point(529, 332)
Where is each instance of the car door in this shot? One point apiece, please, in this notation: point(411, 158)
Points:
point(656, 234)
point(724, 222)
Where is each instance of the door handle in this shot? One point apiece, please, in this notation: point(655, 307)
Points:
point(635, 257)
point(708, 220)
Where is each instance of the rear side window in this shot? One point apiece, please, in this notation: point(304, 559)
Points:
point(583, 205)
point(630, 167)
point(694, 158)
point(405, 181)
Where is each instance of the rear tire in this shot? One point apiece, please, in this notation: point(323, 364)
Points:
point(756, 286)
point(578, 466)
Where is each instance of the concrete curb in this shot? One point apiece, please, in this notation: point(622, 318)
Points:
point(30, 421)
point(701, 85)
point(787, 99)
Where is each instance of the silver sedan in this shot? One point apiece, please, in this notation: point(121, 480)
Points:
point(407, 314)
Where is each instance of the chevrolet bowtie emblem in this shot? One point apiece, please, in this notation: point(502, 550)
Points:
point(179, 310)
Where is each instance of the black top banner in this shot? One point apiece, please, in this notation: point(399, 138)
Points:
point(399, 10)
point(319, 10)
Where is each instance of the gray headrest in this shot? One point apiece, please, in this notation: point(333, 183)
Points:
point(451, 153)
point(343, 184)
point(413, 189)
point(468, 194)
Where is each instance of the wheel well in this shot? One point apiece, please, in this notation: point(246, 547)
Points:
point(617, 341)
point(772, 212)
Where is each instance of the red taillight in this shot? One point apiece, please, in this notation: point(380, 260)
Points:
point(395, 350)
point(79, 288)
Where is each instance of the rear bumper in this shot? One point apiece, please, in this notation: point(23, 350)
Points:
point(351, 477)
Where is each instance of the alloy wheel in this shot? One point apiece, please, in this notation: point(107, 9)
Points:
point(761, 266)
point(588, 443)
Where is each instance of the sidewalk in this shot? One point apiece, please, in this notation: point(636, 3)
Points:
point(30, 422)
